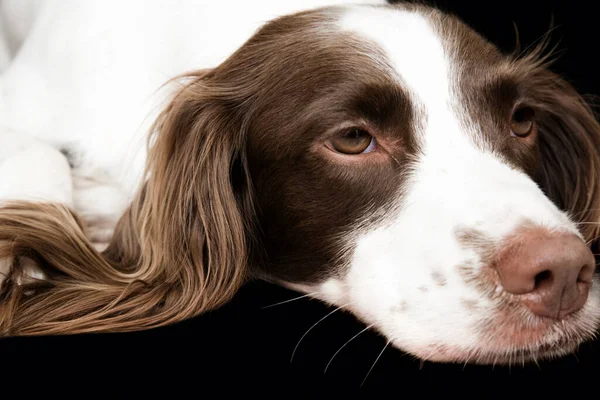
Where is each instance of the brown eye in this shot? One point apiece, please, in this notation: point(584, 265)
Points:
point(353, 141)
point(522, 121)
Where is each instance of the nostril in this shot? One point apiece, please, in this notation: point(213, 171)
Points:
point(580, 277)
point(586, 273)
point(543, 278)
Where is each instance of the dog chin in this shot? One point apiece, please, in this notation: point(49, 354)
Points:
point(547, 347)
point(514, 337)
point(498, 356)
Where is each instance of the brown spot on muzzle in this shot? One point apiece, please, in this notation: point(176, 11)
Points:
point(439, 279)
point(483, 279)
point(469, 304)
point(401, 308)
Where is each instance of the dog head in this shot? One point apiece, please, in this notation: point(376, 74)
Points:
point(391, 161)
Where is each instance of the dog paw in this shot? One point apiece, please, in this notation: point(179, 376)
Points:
point(100, 238)
point(99, 231)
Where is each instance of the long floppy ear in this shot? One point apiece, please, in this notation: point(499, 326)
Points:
point(569, 139)
point(196, 207)
point(179, 250)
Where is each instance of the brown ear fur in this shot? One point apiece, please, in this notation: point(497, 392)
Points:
point(179, 250)
point(570, 153)
point(569, 143)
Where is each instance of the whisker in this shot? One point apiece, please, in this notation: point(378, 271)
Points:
point(467, 361)
point(576, 358)
point(289, 300)
point(344, 345)
point(373, 366)
point(583, 212)
point(309, 329)
point(536, 362)
point(589, 242)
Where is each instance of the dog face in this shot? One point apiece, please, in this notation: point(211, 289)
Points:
point(407, 171)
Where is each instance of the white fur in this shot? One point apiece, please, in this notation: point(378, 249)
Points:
point(33, 170)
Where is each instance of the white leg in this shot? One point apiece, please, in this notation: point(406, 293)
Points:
point(31, 170)
point(100, 203)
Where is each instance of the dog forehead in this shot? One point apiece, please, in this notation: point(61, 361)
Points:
point(413, 47)
point(443, 66)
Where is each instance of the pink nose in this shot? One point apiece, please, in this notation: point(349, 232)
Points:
point(551, 272)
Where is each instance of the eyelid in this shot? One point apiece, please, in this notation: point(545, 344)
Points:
point(525, 102)
point(345, 127)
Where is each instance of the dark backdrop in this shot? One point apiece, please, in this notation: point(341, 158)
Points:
point(244, 346)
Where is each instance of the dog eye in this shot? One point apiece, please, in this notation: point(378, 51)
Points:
point(353, 141)
point(522, 121)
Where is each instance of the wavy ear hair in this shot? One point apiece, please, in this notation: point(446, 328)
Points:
point(569, 140)
point(179, 250)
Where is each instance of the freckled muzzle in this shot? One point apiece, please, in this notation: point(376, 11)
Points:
point(539, 298)
point(542, 283)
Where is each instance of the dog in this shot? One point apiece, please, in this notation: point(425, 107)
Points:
point(385, 159)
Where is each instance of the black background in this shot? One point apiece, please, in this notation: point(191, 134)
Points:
point(245, 347)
